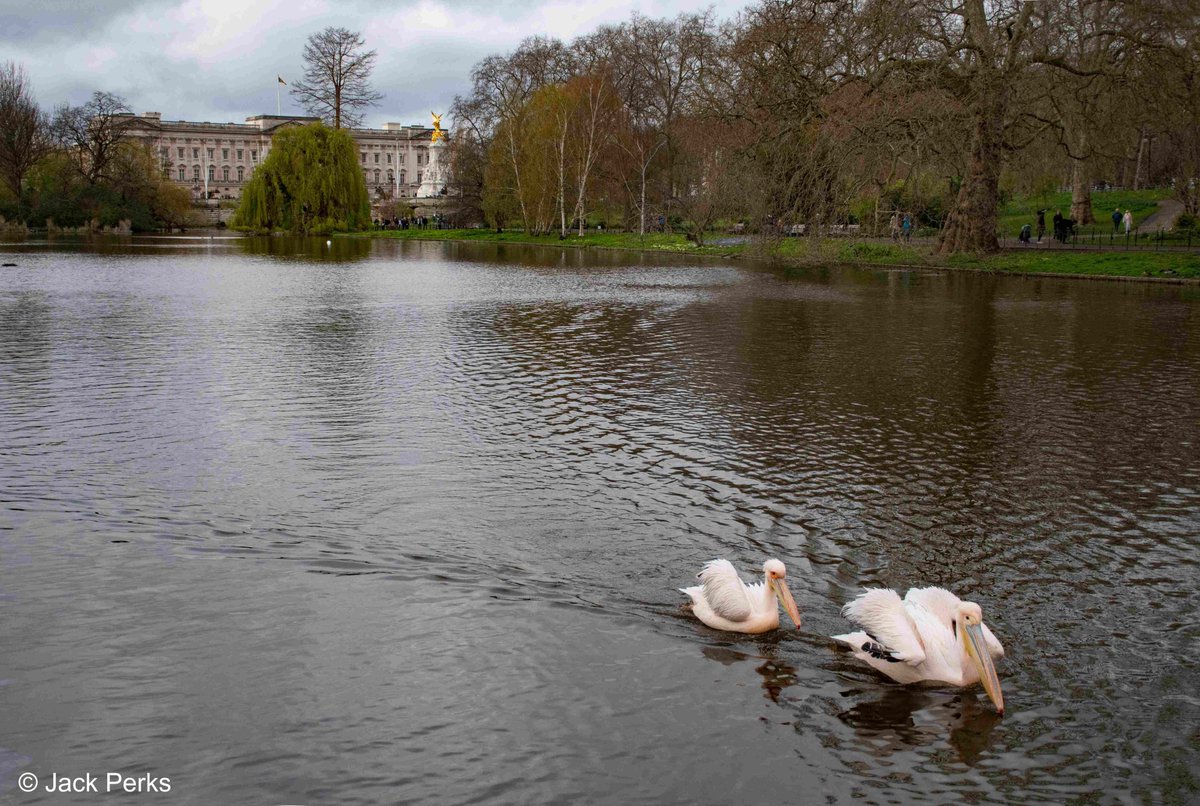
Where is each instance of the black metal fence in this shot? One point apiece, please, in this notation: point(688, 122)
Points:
point(1106, 238)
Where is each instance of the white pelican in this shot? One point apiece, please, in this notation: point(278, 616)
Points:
point(931, 635)
point(724, 602)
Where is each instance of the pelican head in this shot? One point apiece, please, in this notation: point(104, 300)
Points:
point(775, 574)
point(970, 616)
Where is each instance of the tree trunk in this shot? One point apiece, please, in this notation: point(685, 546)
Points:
point(1137, 171)
point(1081, 193)
point(642, 209)
point(971, 223)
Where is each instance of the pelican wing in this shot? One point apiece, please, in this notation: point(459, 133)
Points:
point(941, 603)
point(882, 614)
point(724, 591)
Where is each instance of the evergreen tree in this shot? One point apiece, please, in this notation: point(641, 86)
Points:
point(309, 184)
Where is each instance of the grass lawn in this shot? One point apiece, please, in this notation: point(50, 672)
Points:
point(1138, 263)
point(1110, 263)
point(655, 241)
point(1024, 210)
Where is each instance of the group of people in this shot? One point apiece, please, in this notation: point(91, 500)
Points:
point(415, 222)
point(901, 226)
point(1064, 228)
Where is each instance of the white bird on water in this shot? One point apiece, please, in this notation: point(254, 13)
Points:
point(724, 602)
point(928, 636)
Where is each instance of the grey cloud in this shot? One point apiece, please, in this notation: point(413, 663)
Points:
point(50, 36)
point(48, 21)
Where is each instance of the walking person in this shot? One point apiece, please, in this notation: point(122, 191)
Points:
point(1041, 224)
point(1128, 220)
point(907, 227)
point(1058, 226)
point(1116, 219)
point(894, 225)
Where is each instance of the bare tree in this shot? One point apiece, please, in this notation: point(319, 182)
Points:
point(1180, 70)
point(597, 116)
point(93, 133)
point(716, 177)
point(23, 129)
point(337, 71)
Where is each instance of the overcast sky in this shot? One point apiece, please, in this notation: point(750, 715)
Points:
point(217, 60)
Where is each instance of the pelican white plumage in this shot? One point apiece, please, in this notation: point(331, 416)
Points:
point(724, 602)
point(928, 636)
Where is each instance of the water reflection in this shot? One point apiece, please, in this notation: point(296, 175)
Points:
point(903, 718)
point(776, 674)
point(309, 249)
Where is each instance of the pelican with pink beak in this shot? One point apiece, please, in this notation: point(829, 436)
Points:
point(724, 602)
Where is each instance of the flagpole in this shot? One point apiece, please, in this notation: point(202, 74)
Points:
point(277, 112)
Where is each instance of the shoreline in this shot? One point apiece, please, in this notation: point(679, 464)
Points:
point(1139, 262)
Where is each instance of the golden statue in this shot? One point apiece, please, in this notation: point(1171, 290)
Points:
point(438, 133)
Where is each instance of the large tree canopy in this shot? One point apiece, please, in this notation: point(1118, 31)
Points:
point(310, 183)
point(825, 112)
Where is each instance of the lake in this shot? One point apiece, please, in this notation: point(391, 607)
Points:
point(389, 522)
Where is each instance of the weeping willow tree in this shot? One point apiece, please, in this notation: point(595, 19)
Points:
point(309, 184)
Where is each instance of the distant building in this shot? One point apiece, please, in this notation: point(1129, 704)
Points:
point(216, 160)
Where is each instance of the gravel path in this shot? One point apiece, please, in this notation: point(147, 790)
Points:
point(1163, 217)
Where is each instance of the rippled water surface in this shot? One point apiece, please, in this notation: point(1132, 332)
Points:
point(395, 522)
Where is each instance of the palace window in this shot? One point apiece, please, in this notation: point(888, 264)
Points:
point(402, 178)
point(225, 173)
point(212, 173)
point(377, 176)
point(253, 156)
point(182, 173)
point(362, 156)
point(196, 172)
point(391, 177)
point(224, 153)
point(195, 153)
point(241, 174)
point(240, 155)
point(376, 157)
point(389, 159)
point(210, 154)
point(181, 152)
point(418, 177)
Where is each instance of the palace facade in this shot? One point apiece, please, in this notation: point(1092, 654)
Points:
point(215, 160)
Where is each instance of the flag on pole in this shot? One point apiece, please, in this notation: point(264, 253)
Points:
point(281, 81)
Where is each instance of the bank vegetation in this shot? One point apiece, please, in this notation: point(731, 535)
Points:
point(811, 114)
point(80, 167)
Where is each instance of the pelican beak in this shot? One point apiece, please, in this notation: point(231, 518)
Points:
point(977, 649)
point(785, 598)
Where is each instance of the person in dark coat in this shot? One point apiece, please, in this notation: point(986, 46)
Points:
point(1041, 221)
point(1058, 226)
point(1116, 219)
point(1025, 231)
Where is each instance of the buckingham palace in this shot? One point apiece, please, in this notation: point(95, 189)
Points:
point(215, 160)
